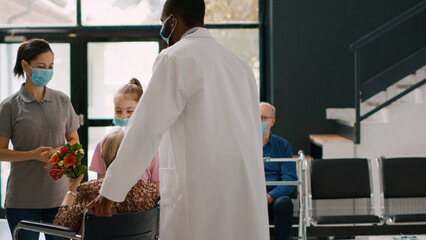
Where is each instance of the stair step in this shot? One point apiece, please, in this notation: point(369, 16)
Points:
point(401, 86)
point(321, 139)
point(421, 74)
point(347, 115)
point(330, 146)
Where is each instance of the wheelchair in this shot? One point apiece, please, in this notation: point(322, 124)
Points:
point(125, 226)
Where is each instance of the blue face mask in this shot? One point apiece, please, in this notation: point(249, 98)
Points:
point(41, 77)
point(166, 39)
point(264, 124)
point(120, 122)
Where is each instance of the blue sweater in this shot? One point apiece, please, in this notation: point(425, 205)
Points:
point(278, 147)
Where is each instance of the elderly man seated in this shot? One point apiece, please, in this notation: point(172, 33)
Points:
point(280, 205)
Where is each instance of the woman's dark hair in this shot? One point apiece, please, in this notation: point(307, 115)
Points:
point(133, 89)
point(28, 51)
point(191, 11)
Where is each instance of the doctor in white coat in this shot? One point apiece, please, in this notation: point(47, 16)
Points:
point(201, 109)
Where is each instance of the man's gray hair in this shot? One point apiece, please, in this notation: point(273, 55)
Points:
point(271, 106)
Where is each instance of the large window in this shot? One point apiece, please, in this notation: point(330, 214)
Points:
point(137, 12)
point(121, 12)
point(113, 64)
point(31, 13)
point(110, 66)
point(244, 43)
point(100, 45)
point(232, 11)
point(11, 84)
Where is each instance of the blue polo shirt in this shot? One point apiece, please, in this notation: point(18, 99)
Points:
point(278, 147)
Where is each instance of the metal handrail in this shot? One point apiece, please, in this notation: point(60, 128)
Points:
point(303, 197)
point(388, 26)
point(355, 47)
point(268, 159)
point(282, 183)
point(301, 173)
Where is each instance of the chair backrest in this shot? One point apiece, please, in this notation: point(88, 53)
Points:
point(127, 226)
point(340, 178)
point(404, 177)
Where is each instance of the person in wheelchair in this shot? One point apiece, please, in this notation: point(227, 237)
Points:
point(143, 196)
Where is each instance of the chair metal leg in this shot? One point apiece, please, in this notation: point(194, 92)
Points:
point(302, 197)
point(15, 232)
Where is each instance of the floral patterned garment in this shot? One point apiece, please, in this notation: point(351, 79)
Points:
point(143, 196)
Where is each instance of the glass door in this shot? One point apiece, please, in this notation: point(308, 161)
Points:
point(110, 66)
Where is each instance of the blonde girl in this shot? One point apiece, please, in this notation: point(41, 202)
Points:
point(125, 102)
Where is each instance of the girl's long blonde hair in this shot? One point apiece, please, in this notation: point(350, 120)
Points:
point(111, 143)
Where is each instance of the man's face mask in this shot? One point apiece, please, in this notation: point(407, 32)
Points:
point(264, 125)
point(165, 31)
point(41, 77)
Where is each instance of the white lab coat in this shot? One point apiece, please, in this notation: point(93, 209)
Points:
point(202, 109)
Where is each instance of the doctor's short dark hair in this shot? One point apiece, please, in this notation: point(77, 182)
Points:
point(191, 11)
point(29, 51)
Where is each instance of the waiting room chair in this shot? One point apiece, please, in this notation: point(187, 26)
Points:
point(127, 226)
point(403, 179)
point(332, 179)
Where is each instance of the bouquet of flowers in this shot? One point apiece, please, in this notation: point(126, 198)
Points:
point(67, 161)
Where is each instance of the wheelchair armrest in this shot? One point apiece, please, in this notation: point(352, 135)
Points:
point(48, 228)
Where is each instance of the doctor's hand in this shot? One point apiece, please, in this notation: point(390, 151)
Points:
point(100, 206)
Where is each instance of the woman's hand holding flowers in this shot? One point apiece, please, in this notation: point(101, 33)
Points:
point(42, 154)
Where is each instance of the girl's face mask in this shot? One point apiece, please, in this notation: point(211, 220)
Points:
point(120, 122)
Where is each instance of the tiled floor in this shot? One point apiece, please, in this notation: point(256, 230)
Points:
point(397, 237)
point(5, 233)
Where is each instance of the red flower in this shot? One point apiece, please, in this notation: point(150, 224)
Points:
point(55, 173)
point(69, 160)
point(64, 150)
point(54, 159)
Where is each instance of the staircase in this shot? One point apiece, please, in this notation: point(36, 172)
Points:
point(389, 114)
point(388, 118)
point(396, 130)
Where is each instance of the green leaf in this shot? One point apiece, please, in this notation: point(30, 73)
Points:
point(67, 145)
point(75, 147)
